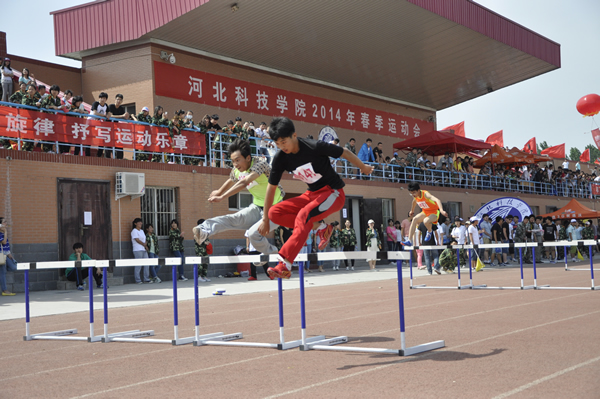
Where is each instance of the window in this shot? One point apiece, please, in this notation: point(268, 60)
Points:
point(240, 201)
point(550, 209)
point(535, 210)
point(453, 208)
point(130, 108)
point(159, 207)
point(387, 206)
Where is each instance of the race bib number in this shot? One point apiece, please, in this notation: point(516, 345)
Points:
point(423, 204)
point(249, 185)
point(307, 174)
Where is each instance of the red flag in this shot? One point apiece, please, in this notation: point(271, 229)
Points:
point(495, 138)
point(558, 151)
point(458, 129)
point(585, 156)
point(597, 161)
point(530, 146)
point(596, 136)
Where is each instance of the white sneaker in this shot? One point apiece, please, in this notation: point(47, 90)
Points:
point(199, 235)
point(352, 268)
point(347, 268)
point(183, 278)
point(157, 280)
point(201, 279)
point(206, 279)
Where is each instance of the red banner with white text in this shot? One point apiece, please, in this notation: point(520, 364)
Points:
point(35, 125)
point(223, 92)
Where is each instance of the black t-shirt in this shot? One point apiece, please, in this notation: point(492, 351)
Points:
point(113, 109)
point(549, 232)
point(310, 164)
point(423, 231)
point(377, 153)
point(499, 232)
point(215, 127)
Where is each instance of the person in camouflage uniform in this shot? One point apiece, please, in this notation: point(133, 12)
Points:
point(18, 95)
point(522, 236)
point(221, 143)
point(159, 119)
point(448, 260)
point(411, 158)
point(239, 130)
point(335, 243)
point(201, 251)
point(144, 117)
point(176, 246)
point(30, 100)
point(153, 250)
point(175, 127)
point(348, 241)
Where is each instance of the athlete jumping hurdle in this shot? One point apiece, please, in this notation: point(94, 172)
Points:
point(253, 174)
point(431, 208)
point(309, 161)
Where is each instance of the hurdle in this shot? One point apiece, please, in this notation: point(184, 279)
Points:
point(68, 334)
point(328, 344)
point(589, 243)
point(574, 269)
point(226, 339)
point(141, 335)
point(522, 286)
point(443, 287)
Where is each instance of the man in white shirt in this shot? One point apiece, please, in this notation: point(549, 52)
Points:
point(565, 164)
point(474, 232)
point(140, 250)
point(263, 143)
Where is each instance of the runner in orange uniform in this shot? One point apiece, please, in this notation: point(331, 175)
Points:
point(431, 208)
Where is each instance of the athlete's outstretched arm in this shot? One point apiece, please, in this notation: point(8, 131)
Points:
point(354, 160)
point(438, 202)
point(265, 225)
point(235, 188)
point(228, 183)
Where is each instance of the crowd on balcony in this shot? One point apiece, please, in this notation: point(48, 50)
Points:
point(449, 170)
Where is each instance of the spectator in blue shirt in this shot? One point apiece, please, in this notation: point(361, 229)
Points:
point(366, 152)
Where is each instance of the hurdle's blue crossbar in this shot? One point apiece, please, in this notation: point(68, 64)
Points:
point(226, 339)
point(141, 337)
point(328, 343)
point(64, 335)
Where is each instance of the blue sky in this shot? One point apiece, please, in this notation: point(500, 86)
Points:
point(543, 107)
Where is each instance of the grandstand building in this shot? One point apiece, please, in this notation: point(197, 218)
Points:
point(378, 70)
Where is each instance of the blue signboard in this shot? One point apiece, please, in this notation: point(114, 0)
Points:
point(505, 206)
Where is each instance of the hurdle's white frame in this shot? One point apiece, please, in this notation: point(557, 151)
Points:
point(172, 262)
point(63, 335)
point(506, 245)
point(226, 339)
point(441, 287)
point(326, 344)
point(564, 243)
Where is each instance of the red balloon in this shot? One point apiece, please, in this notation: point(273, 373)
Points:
point(589, 105)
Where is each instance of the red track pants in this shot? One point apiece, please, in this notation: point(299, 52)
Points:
point(300, 213)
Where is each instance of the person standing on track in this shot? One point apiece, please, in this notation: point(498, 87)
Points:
point(348, 238)
point(253, 174)
point(431, 208)
point(309, 161)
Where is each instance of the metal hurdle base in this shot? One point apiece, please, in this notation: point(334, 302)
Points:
point(62, 335)
point(326, 345)
point(220, 338)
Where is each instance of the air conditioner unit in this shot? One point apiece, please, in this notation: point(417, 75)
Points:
point(127, 183)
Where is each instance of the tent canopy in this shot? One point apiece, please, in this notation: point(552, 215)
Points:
point(573, 210)
point(500, 156)
point(439, 143)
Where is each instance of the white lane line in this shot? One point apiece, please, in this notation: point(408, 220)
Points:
point(176, 375)
point(546, 378)
point(422, 356)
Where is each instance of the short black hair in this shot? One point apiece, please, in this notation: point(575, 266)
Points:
point(391, 220)
point(76, 99)
point(103, 95)
point(498, 219)
point(379, 143)
point(367, 140)
point(119, 96)
point(68, 92)
point(77, 245)
point(55, 87)
point(30, 85)
point(281, 127)
point(484, 215)
point(200, 221)
point(240, 145)
point(238, 118)
point(215, 117)
point(174, 221)
point(136, 220)
point(352, 139)
point(147, 226)
point(414, 186)
point(40, 87)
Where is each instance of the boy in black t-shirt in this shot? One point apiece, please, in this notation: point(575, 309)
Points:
point(308, 160)
point(550, 234)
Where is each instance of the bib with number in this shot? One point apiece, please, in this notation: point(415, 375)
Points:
point(307, 174)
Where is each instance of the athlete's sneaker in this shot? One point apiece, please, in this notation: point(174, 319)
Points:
point(279, 271)
point(428, 236)
point(199, 235)
point(259, 264)
point(252, 278)
point(201, 279)
point(408, 243)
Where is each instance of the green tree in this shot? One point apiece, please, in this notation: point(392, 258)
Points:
point(574, 154)
point(542, 146)
point(594, 152)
